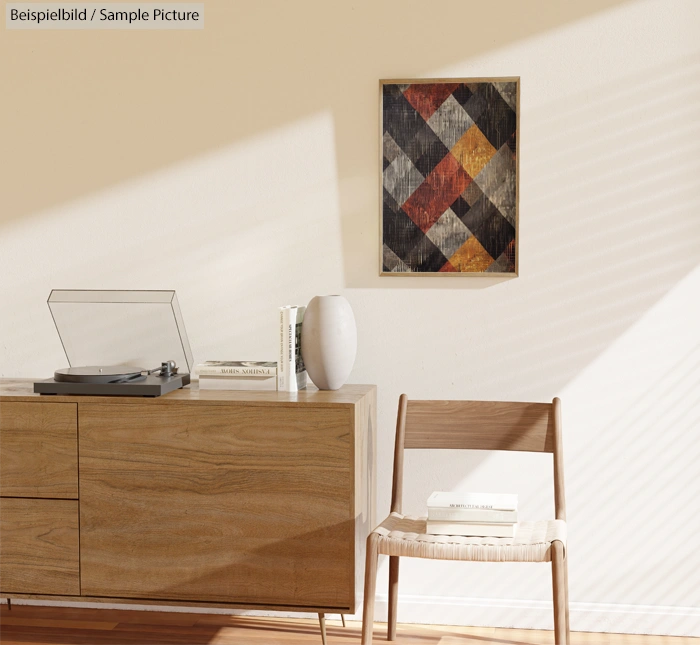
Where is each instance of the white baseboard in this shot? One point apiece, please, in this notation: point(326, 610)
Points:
point(486, 612)
point(537, 614)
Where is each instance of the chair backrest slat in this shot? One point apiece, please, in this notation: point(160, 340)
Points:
point(480, 425)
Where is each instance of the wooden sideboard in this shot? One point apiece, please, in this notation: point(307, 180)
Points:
point(199, 498)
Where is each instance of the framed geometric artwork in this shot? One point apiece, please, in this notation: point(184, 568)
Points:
point(449, 164)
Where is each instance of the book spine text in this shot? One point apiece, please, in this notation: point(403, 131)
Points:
point(237, 371)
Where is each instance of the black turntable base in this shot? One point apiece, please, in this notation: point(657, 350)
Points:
point(114, 380)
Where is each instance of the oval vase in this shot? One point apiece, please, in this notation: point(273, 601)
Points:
point(328, 341)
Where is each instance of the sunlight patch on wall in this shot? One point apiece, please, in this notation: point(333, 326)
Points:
point(632, 453)
point(237, 233)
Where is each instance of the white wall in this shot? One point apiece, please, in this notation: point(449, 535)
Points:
point(249, 152)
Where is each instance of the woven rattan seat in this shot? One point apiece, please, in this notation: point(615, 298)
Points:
point(403, 535)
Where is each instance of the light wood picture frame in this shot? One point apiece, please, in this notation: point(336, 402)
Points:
point(449, 175)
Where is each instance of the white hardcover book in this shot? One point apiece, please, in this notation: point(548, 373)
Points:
point(487, 516)
point(237, 368)
point(469, 529)
point(291, 374)
point(236, 383)
point(486, 501)
point(283, 359)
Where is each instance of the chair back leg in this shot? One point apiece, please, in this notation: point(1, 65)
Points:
point(393, 596)
point(566, 591)
point(370, 588)
point(560, 595)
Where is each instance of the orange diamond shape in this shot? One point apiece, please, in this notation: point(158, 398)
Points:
point(471, 257)
point(473, 151)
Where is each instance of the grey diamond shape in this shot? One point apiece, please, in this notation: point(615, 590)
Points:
point(390, 148)
point(402, 178)
point(450, 122)
point(448, 233)
point(497, 181)
point(393, 262)
point(509, 92)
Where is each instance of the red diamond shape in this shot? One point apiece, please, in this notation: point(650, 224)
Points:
point(426, 98)
point(435, 195)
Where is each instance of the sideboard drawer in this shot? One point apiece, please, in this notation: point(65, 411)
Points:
point(39, 450)
point(39, 546)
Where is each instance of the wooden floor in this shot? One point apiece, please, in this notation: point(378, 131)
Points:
point(27, 625)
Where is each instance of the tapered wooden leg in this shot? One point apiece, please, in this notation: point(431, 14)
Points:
point(322, 622)
point(342, 617)
point(9, 604)
point(370, 588)
point(393, 596)
point(561, 610)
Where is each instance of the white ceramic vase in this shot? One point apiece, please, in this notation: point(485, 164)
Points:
point(328, 341)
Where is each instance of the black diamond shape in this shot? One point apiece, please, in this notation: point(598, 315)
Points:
point(493, 231)
point(425, 257)
point(460, 207)
point(431, 157)
point(497, 121)
point(512, 142)
point(410, 132)
point(400, 118)
point(400, 234)
point(385, 164)
point(462, 94)
point(479, 212)
point(475, 106)
point(424, 141)
point(390, 202)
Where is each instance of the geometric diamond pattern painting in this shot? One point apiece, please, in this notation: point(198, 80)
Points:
point(449, 176)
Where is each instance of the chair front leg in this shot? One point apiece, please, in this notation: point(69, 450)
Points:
point(559, 594)
point(393, 596)
point(370, 588)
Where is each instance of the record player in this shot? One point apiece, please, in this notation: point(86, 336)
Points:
point(119, 343)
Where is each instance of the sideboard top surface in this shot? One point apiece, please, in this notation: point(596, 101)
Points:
point(348, 395)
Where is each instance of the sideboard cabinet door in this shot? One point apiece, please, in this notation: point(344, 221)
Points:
point(38, 450)
point(39, 548)
point(219, 503)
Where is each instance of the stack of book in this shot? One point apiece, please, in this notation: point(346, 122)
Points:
point(237, 375)
point(291, 376)
point(472, 514)
point(287, 375)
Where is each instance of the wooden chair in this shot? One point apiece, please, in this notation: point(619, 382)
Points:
point(480, 425)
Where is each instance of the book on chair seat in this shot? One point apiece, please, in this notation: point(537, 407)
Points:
point(471, 529)
point(472, 514)
point(483, 501)
point(479, 515)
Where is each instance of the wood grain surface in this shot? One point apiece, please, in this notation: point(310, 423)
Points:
point(39, 551)
point(249, 504)
point(363, 505)
point(481, 425)
point(38, 450)
point(22, 390)
point(180, 604)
